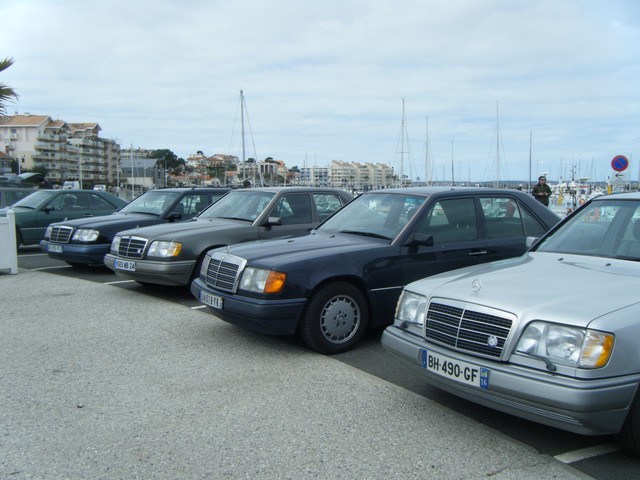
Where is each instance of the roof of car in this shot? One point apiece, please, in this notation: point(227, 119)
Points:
point(184, 189)
point(435, 190)
point(619, 196)
point(291, 189)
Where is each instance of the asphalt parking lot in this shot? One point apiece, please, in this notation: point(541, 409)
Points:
point(99, 382)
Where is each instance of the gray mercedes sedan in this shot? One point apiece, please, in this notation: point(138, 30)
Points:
point(552, 336)
point(171, 254)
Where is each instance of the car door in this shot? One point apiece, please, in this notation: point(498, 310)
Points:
point(454, 226)
point(505, 224)
point(295, 214)
point(63, 206)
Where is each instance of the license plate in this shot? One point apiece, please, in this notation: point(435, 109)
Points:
point(54, 248)
point(456, 370)
point(124, 265)
point(211, 300)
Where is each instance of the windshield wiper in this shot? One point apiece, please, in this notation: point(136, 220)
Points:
point(235, 218)
point(366, 234)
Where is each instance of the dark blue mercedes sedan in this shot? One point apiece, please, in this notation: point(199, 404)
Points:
point(86, 241)
point(347, 275)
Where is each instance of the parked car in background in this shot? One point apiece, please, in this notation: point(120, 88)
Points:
point(172, 254)
point(85, 241)
point(551, 336)
point(24, 180)
point(10, 195)
point(348, 274)
point(34, 213)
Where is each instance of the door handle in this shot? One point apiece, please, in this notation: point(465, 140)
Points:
point(478, 252)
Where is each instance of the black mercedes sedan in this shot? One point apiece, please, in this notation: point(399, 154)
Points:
point(347, 275)
point(85, 241)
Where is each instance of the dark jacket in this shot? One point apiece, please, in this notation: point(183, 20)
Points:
point(542, 193)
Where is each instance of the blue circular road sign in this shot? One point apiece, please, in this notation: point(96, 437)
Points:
point(619, 163)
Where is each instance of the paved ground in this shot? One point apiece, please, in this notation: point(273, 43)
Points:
point(99, 382)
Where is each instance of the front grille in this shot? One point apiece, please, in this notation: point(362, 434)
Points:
point(132, 247)
point(223, 271)
point(468, 328)
point(61, 234)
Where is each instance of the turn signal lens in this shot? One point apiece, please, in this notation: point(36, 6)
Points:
point(275, 282)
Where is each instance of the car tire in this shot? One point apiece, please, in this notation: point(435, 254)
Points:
point(629, 436)
point(335, 319)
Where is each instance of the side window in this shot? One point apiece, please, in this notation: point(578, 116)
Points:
point(451, 221)
point(532, 227)
point(326, 204)
point(502, 217)
point(66, 201)
point(294, 209)
point(83, 201)
point(99, 203)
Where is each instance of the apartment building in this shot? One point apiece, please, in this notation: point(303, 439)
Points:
point(360, 176)
point(68, 151)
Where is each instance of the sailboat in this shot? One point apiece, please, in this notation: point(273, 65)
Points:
point(256, 169)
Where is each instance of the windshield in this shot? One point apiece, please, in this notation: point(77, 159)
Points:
point(602, 228)
point(36, 199)
point(154, 202)
point(380, 215)
point(239, 205)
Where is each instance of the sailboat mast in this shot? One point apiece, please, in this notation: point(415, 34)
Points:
point(530, 142)
point(497, 147)
point(402, 148)
point(453, 179)
point(427, 167)
point(242, 123)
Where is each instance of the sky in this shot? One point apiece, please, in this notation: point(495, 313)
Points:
point(455, 90)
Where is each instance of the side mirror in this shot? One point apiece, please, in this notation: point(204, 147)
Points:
point(48, 208)
point(273, 221)
point(172, 217)
point(420, 240)
point(531, 241)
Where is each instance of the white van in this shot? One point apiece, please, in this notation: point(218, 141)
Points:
point(69, 184)
point(101, 187)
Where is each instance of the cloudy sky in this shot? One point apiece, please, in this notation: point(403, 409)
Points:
point(481, 81)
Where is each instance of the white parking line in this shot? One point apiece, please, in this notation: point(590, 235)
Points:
point(119, 281)
point(590, 452)
point(33, 255)
point(198, 307)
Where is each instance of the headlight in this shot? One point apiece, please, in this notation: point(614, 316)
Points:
point(566, 345)
point(115, 244)
point(86, 235)
point(258, 280)
point(205, 265)
point(47, 233)
point(411, 308)
point(164, 249)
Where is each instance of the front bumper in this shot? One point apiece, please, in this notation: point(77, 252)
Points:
point(273, 317)
point(87, 254)
point(157, 272)
point(591, 407)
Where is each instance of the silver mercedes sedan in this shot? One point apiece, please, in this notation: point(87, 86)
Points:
point(552, 336)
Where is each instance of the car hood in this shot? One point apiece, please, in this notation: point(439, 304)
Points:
point(571, 289)
point(117, 220)
point(172, 231)
point(318, 244)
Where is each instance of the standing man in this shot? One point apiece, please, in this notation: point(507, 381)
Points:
point(541, 191)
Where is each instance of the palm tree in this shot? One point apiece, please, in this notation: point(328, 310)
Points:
point(6, 92)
